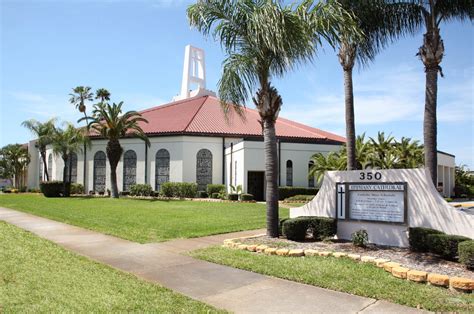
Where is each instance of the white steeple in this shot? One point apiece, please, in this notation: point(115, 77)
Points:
point(194, 72)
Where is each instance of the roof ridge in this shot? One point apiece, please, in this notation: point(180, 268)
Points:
point(197, 111)
point(170, 104)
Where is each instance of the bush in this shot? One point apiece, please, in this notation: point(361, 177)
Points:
point(77, 188)
point(319, 227)
point(51, 188)
point(233, 197)
point(297, 198)
point(34, 190)
point(215, 195)
point(123, 193)
point(360, 238)
point(466, 253)
point(22, 189)
point(417, 237)
point(289, 191)
point(445, 245)
point(179, 189)
point(246, 197)
point(203, 194)
point(141, 190)
point(215, 188)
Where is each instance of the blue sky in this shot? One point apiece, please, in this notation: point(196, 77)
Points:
point(135, 50)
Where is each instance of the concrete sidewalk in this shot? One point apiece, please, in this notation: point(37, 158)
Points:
point(221, 286)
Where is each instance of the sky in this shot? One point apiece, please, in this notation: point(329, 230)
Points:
point(135, 49)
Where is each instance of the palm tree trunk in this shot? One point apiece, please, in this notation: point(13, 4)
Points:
point(430, 128)
point(84, 172)
point(271, 176)
point(114, 151)
point(350, 120)
point(45, 165)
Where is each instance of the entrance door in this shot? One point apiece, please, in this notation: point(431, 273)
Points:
point(255, 184)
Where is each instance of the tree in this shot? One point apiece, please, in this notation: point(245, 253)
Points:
point(109, 122)
point(79, 96)
point(102, 94)
point(66, 142)
point(322, 163)
point(14, 159)
point(380, 23)
point(44, 133)
point(431, 53)
point(263, 40)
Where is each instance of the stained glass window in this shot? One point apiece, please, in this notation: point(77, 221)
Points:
point(162, 168)
point(40, 169)
point(203, 169)
point(289, 173)
point(310, 178)
point(99, 171)
point(73, 163)
point(129, 169)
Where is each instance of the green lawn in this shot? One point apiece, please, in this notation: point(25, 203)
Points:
point(39, 276)
point(343, 275)
point(144, 220)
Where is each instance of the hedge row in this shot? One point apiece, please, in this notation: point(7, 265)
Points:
point(317, 228)
point(179, 189)
point(51, 188)
point(437, 242)
point(289, 191)
point(298, 198)
point(466, 253)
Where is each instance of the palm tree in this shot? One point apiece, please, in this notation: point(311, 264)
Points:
point(431, 53)
point(109, 122)
point(66, 142)
point(380, 23)
point(44, 133)
point(14, 160)
point(262, 40)
point(409, 153)
point(322, 163)
point(102, 94)
point(79, 96)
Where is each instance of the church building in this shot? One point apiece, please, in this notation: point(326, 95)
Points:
point(192, 140)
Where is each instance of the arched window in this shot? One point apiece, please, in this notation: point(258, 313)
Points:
point(129, 169)
point(73, 163)
point(289, 173)
point(310, 178)
point(162, 168)
point(99, 171)
point(203, 169)
point(50, 166)
point(40, 169)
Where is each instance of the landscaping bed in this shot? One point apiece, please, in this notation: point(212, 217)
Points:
point(423, 261)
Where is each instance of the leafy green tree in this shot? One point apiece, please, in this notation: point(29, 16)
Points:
point(433, 13)
point(44, 132)
point(380, 23)
point(263, 40)
point(66, 142)
point(14, 160)
point(109, 122)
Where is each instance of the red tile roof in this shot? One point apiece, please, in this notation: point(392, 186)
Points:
point(204, 116)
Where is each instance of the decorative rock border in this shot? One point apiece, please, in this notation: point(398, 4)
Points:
point(397, 270)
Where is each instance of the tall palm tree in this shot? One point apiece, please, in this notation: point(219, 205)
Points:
point(109, 122)
point(380, 23)
point(409, 153)
point(431, 53)
point(323, 163)
point(14, 160)
point(262, 40)
point(44, 132)
point(79, 96)
point(102, 94)
point(66, 142)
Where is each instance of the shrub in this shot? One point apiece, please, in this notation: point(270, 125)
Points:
point(77, 188)
point(22, 189)
point(246, 197)
point(319, 227)
point(215, 195)
point(179, 189)
point(141, 190)
point(417, 237)
point(466, 253)
point(123, 193)
point(280, 225)
point(51, 188)
point(298, 198)
point(233, 197)
point(203, 194)
point(445, 245)
point(295, 229)
point(34, 190)
point(215, 188)
point(289, 191)
point(360, 238)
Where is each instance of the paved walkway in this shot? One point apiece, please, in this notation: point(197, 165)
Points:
point(221, 286)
